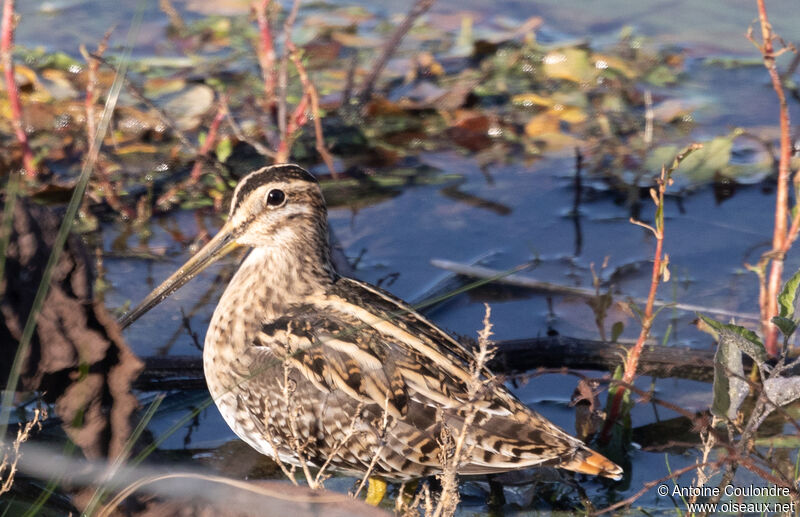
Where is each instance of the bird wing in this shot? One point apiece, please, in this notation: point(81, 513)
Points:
point(361, 343)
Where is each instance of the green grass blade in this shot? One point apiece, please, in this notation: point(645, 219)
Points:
point(123, 455)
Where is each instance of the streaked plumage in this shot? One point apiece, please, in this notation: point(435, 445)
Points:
point(359, 362)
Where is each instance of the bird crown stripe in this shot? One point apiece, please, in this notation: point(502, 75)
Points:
point(266, 175)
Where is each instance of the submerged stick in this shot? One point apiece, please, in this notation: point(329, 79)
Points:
point(512, 357)
point(528, 282)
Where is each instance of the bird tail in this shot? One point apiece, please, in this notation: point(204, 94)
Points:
point(586, 461)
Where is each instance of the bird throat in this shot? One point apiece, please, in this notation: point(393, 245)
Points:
point(270, 279)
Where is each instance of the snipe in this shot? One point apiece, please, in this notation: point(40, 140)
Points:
point(352, 355)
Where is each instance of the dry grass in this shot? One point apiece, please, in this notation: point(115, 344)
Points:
point(454, 447)
point(12, 454)
point(454, 443)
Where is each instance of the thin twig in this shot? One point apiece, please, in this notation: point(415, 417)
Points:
point(283, 73)
point(650, 484)
point(173, 15)
point(104, 179)
point(376, 455)
point(311, 93)
point(659, 271)
point(294, 433)
point(211, 139)
point(351, 431)
point(266, 51)
point(419, 8)
point(12, 454)
point(239, 134)
point(648, 118)
point(137, 93)
point(476, 386)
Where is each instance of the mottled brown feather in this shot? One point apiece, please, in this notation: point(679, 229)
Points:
point(363, 366)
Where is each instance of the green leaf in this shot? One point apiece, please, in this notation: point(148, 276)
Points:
point(661, 75)
point(570, 64)
point(616, 330)
point(744, 339)
point(788, 295)
point(787, 326)
point(702, 164)
point(224, 149)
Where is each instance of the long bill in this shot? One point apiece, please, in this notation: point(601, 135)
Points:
point(222, 244)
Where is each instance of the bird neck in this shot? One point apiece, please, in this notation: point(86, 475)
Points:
point(270, 280)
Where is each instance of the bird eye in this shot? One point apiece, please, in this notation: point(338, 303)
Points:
point(275, 197)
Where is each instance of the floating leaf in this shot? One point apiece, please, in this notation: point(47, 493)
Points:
point(542, 124)
point(570, 114)
point(188, 107)
point(661, 75)
point(659, 157)
point(570, 64)
point(135, 148)
point(702, 164)
point(603, 62)
point(532, 99)
point(157, 86)
point(355, 40)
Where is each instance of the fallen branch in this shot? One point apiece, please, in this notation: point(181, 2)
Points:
point(513, 356)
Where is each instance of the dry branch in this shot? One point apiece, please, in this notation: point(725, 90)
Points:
point(419, 8)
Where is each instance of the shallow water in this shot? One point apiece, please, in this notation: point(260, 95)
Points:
point(708, 239)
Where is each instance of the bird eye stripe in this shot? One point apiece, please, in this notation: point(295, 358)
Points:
point(261, 177)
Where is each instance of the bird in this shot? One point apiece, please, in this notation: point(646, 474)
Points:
point(314, 368)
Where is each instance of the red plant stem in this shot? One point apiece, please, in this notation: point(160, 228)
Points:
point(311, 92)
point(6, 43)
point(632, 360)
point(266, 51)
point(93, 64)
point(297, 120)
point(210, 140)
point(781, 240)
